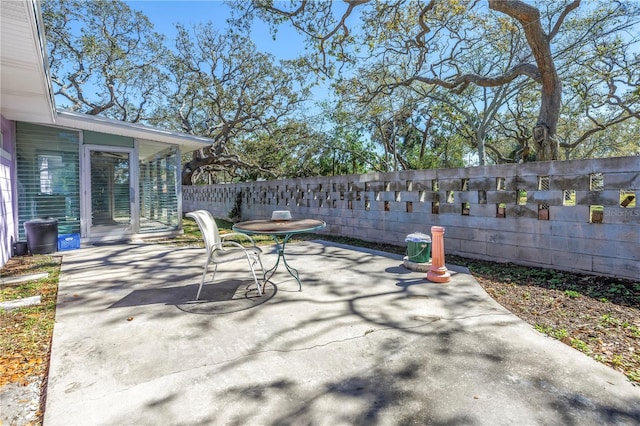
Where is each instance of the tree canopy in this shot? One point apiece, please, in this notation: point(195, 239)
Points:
point(460, 44)
point(108, 66)
point(410, 84)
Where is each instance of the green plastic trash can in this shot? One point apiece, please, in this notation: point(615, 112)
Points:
point(418, 247)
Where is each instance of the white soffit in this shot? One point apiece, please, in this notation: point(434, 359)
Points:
point(96, 123)
point(25, 89)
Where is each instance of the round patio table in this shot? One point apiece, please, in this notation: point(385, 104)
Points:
point(281, 231)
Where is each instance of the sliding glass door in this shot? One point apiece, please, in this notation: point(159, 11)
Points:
point(111, 192)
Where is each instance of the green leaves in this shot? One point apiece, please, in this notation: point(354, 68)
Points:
point(103, 58)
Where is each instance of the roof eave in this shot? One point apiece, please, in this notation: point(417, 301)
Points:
point(96, 123)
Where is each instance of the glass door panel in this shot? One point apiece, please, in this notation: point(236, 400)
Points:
point(110, 190)
point(158, 188)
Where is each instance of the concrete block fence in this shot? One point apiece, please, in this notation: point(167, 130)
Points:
point(578, 215)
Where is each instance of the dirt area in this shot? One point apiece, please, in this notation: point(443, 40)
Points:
point(599, 316)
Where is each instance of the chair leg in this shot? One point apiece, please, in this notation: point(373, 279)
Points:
point(252, 261)
point(255, 278)
point(264, 283)
point(213, 274)
point(204, 276)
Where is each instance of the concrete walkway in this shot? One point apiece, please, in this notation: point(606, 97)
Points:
point(366, 342)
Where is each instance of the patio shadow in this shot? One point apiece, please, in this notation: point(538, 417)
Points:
point(219, 298)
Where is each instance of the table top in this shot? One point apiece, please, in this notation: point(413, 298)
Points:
point(279, 227)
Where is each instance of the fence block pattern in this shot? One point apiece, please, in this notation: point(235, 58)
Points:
point(579, 215)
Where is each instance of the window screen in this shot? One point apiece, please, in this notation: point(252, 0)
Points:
point(158, 188)
point(48, 176)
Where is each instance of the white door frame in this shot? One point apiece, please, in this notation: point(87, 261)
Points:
point(85, 189)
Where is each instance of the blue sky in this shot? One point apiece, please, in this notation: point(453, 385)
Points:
point(164, 14)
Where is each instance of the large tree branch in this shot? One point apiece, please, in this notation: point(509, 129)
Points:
point(561, 18)
point(529, 70)
point(217, 163)
point(460, 83)
point(498, 155)
point(529, 18)
point(424, 28)
point(598, 128)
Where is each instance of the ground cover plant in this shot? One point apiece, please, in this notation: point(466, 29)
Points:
point(599, 316)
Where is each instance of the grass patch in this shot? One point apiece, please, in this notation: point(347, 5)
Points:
point(572, 294)
point(583, 347)
point(25, 333)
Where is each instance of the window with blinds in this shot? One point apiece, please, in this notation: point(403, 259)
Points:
point(48, 176)
point(158, 188)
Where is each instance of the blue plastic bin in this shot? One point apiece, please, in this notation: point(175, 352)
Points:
point(68, 242)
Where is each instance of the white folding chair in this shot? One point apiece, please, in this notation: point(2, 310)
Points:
point(219, 250)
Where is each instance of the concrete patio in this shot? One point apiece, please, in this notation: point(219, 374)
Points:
point(365, 342)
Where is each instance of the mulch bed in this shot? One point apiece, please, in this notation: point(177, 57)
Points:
point(599, 316)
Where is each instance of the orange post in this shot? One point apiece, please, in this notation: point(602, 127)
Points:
point(438, 273)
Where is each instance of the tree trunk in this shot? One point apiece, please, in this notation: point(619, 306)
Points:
point(544, 133)
point(480, 142)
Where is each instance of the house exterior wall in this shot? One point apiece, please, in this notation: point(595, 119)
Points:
point(53, 162)
point(566, 215)
point(7, 198)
